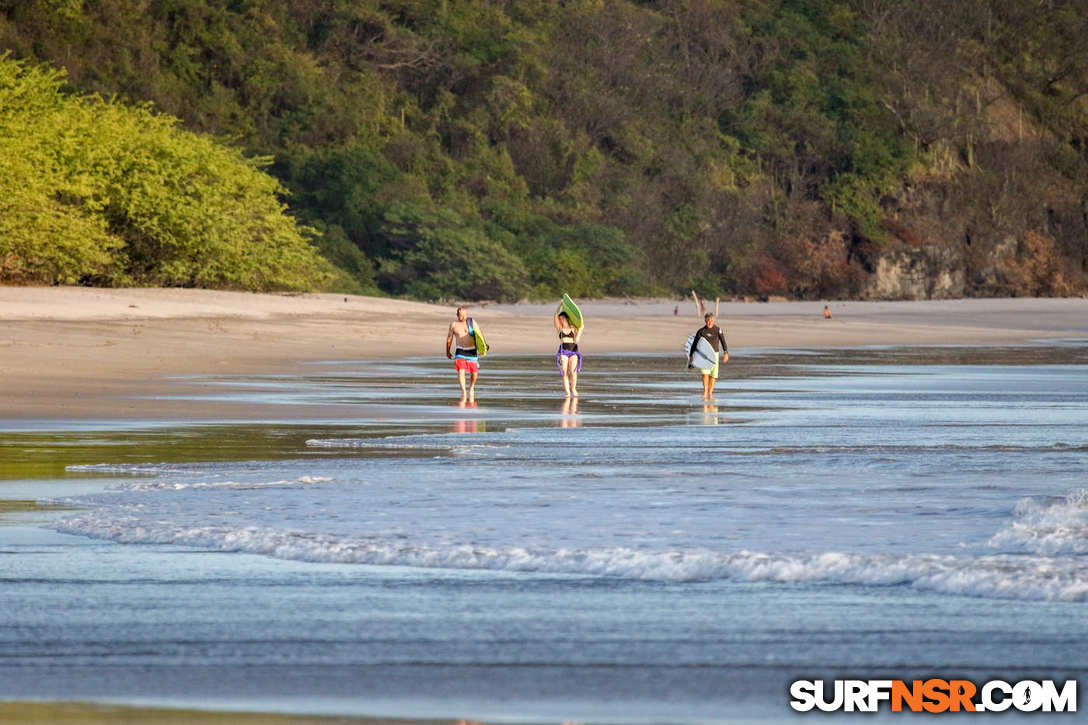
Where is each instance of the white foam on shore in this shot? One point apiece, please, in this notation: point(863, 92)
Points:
point(1049, 528)
point(1003, 576)
point(228, 485)
point(125, 469)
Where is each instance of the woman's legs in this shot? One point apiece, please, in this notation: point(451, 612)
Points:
point(568, 365)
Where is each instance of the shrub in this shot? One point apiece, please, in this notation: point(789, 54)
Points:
point(438, 255)
point(94, 191)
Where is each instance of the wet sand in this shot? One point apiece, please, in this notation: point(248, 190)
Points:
point(39, 713)
point(74, 353)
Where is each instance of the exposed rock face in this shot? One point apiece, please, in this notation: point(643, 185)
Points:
point(985, 279)
point(917, 274)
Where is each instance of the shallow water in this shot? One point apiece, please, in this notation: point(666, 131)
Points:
point(645, 557)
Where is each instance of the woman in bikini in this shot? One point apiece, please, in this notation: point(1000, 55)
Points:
point(567, 358)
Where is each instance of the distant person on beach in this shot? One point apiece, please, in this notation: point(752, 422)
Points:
point(567, 357)
point(465, 358)
point(827, 312)
point(712, 334)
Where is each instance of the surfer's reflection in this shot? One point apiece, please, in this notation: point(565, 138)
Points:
point(568, 414)
point(468, 425)
point(710, 415)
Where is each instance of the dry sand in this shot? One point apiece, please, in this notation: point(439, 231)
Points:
point(77, 353)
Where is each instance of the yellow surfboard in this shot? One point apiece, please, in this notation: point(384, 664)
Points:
point(481, 344)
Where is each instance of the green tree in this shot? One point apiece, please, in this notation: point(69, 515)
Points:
point(96, 191)
point(436, 255)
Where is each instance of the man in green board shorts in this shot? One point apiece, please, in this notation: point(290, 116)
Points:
point(712, 334)
point(466, 358)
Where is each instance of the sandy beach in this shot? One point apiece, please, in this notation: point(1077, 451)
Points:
point(77, 353)
point(337, 549)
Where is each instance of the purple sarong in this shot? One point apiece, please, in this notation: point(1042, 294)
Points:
point(567, 353)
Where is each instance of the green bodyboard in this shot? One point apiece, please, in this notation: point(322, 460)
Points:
point(573, 313)
point(481, 344)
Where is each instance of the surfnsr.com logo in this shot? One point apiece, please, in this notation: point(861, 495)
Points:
point(933, 695)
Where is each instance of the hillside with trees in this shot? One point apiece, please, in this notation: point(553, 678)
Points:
point(463, 148)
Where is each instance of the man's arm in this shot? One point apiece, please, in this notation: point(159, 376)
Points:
point(449, 340)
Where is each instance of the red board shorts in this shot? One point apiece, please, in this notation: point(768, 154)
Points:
point(462, 364)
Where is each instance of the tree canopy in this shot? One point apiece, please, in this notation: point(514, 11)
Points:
point(94, 191)
point(500, 149)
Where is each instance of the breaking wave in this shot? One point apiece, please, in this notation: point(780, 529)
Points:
point(1003, 576)
point(1051, 527)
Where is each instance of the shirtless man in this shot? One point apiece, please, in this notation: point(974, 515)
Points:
point(466, 357)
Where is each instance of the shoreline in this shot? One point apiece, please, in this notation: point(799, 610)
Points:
point(94, 713)
point(179, 710)
point(71, 353)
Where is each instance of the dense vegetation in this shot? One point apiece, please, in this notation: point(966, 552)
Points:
point(97, 192)
point(496, 149)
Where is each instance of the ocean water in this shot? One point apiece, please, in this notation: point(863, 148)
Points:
point(639, 557)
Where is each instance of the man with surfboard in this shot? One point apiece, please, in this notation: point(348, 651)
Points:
point(466, 358)
point(705, 344)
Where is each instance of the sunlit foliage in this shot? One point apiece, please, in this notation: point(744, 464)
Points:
point(505, 149)
point(95, 191)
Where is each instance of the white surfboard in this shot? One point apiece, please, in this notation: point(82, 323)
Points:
point(705, 356)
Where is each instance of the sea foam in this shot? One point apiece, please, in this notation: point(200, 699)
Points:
point(1004, 576)
point(124, 469)
point(229, 485)
point(1048, 527)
